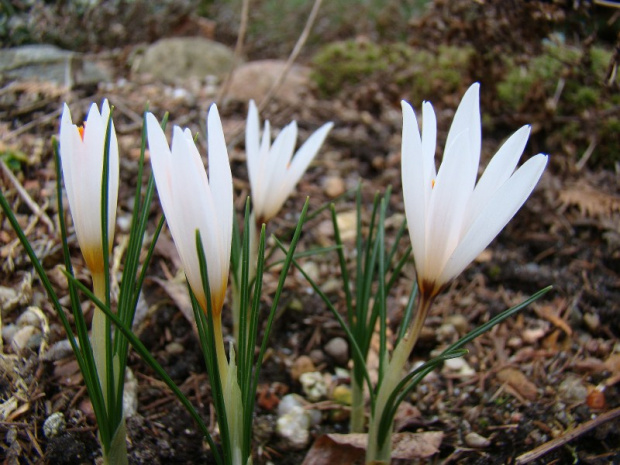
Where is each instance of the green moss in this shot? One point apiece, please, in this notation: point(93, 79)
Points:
point(416, 72)
point(540, 78)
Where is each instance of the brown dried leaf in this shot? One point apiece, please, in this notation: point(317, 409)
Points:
point(590, 201)
point(519, 382)
point(349, 448)
point(179, 294)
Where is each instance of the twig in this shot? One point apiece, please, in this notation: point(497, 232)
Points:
point(245, 8)
point(39, 213)
point(293, 56)
point(33, 123)
point(567, 437)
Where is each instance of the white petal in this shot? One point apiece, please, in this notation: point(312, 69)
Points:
point(467, 117)
point(413, 181)
point(252, 143)
point(450, 196)
point(501, 208)
point(499, 169)
point(220, 181)
point(305, 155)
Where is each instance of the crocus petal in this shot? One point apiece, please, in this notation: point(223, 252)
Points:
point(277, 171)
point(305, 155)
point(499, 169)
point(220, 179)
point(186, 196)
point(451, 219)
point(82, 156)
point(252, 142)
point(413, 180)
point(499, 210)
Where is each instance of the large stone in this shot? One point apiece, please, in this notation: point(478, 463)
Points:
point(254, 79)
point(178, 58)
point(49, 63)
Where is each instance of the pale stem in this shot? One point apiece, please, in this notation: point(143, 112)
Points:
point(220, 350)
point(381, 453)
point(99, 336)
point(116, 452)
point(356, 423)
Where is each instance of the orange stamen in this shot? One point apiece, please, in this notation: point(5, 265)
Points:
point(81, 131)
point(432, 184)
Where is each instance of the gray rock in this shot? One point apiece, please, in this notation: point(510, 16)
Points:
point(48, 63)
point(338, 349)
point(178, 58)
point(54, 425)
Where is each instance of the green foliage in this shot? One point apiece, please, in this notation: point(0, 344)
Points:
point(570, 83)
point(13, 158)
point(415, 72)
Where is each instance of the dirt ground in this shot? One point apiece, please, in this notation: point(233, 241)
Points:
point(549, 373)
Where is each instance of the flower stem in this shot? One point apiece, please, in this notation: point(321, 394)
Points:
point(99, 337)
point(381, 453)
point(356, 424)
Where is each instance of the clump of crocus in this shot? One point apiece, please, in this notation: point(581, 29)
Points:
point(90, 166)
point(274, 171)
point(451, 218)
point(197, 206)
point(192, 202)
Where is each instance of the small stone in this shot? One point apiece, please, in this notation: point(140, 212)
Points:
point(572, 390)
point(338, 349)
point(22, 337)
point(317, 356)
point(459, 322)
point(288, 402)
point(312, 270)
point(459, 367)
point(347, 224)
point(592, 321)
point(294, 428)
point(314, 386)
point(175, 348)
point(334, 186)
point(342, 395)
point(130, 394)
point(302, 365)
point(54, 425)
point(475, 440)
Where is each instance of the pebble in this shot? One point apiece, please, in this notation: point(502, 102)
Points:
point(592, 321)
point(459, 367)
point(342, 395)
point(317, 356)
point(294, 421)
point(303, 364)
point(334, 186)
point(572, 390)
point(175, 348)
point(338, 349)
point(54, 425)
point(314, 386)
point(475, 440)
point(294, 428)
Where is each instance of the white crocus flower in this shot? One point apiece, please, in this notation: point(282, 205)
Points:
point(82, 152)
point(273, 170)
point(192, 202)
point(452, 218)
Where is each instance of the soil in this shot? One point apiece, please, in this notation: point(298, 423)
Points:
point(536, 377)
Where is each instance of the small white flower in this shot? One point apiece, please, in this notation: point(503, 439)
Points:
point(81, 153)
point(192, 202)
point(273, 170)
point(452, 218)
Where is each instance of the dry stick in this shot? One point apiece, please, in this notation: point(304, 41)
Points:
point(293, 56)
point(38, 212)
point(245, 8)
point(567, 437)
point(26, 127)
point(289, 62)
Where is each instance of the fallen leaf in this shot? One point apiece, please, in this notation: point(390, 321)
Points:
point(350, 448)
point(180, 295)
point(519, 382)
